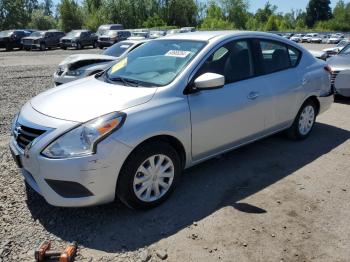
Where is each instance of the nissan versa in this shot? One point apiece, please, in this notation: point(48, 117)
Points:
point(170, 104)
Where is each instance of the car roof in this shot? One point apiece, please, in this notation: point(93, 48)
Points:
point(212, 35)
point(135, 41)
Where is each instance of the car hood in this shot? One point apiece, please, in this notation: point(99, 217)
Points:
point(94, 58)
point(339, 62)
point(331, 49)
point(32, 38)
point(317, 54)
point(88, 98)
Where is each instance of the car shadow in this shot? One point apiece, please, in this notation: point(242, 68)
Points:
point(342, 100)
point(204, 189)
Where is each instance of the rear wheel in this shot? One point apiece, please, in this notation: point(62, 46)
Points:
point(149, 175)
point(9, 47)
point(94, 45)
point(42, 46)
point(79, 46)
point(304, 121)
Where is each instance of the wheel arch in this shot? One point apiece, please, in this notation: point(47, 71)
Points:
point(315, 100)
point(171, 140)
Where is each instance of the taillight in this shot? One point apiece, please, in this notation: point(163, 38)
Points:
point(328, 69)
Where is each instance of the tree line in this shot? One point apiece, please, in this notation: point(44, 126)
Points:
point(213, 15)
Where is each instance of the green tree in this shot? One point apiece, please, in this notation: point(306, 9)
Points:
point(181, 12)
point(215, 18)
point(70, 15)
point(41, 21)
point(262, 15)
point(272, 24)
point(317, 10)
point(236, 11)
point(16, 13)
point(154, 21)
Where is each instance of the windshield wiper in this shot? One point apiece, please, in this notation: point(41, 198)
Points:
point(125, 81)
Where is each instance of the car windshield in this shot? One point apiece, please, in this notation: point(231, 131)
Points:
point(117, 49)
point(112, 33)
point(37, 34)
point(73, 34)
point(345, 50)
point(5, 33)
point(155, 63)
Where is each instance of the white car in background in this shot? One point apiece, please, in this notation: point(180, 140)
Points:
point(297, 37)
point(336, 49)
point(335, 39)
point(307, 38)
point(82, 65)
point(316, 39)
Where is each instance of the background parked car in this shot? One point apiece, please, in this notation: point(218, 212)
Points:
point(42, 40)
point(335, 38)
point(103, 29)
point(297, 37)
point(79, 39)
point(317, 38)
point(81, 65)
point(336, 49)
point(340, 65)
point(139, 35)
point(307, 38)
point(111, 37)
point(10, 39)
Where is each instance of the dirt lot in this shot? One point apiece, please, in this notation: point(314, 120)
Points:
point(274, 200)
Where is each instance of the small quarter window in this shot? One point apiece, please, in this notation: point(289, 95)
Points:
point(294, 55)
point(275, 56)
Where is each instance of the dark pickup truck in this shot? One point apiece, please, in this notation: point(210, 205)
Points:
point(42, 40)
point(10, 39)
point(79, 39)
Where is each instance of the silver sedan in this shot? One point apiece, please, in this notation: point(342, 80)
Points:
point(340, 65)
point(168, 105)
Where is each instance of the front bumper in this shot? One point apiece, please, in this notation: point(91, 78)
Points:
point(31, 46)
point(105, 43)
point(97, 173)
point(68, 44)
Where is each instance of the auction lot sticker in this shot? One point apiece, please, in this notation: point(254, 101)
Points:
point(178, 53)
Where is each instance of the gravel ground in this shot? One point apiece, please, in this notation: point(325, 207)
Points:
point(274, 200)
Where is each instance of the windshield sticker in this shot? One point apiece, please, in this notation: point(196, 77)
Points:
point(178, 53)
point(124, 46)
point(119, 65)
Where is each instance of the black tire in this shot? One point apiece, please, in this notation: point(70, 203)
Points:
point(64, 47)
point(125, 187)
point(9, 47)
point(294, 131)
point(79, 46)
point(95, 45)
point(101, 47)
point(42, 46)
point(27, 48)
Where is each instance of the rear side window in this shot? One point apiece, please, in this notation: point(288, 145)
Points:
point(294, 55)
point(275, 56)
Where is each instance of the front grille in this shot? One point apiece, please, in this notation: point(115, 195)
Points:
point(104, 38)
point(25, 135)
point(333, 77)
point(66, 41)
point(27, 41)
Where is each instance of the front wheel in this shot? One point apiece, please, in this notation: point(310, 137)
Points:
point(42, 46)
point(304, 121)
point(149, 175)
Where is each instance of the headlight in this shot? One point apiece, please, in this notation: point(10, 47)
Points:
point(83, 139)
point(74, 72)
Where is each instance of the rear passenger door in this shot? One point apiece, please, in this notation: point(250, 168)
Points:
point(234, 114)
point(279, 70)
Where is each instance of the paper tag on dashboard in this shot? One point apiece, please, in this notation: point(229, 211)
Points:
point(178, 53)
point(119, 65)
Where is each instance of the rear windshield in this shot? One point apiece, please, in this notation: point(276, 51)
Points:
point(73, 34)
point(117, 49)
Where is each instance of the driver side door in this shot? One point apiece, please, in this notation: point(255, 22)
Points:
point(234, 114)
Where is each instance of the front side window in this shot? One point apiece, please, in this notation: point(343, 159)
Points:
point(275, 56)
point(233, 60)
point(155, 63)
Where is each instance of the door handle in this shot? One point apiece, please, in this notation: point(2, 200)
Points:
point(253, 95)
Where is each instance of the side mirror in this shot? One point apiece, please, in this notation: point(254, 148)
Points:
point(209, 81)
